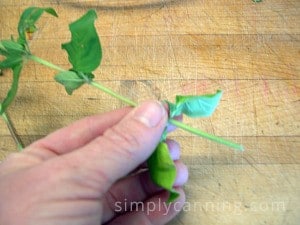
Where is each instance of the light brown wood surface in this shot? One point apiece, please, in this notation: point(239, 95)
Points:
point(157, 49)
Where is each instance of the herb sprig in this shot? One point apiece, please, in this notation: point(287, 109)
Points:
point(16, 53)
point(85, 55)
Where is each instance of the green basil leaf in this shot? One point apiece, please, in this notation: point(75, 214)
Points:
point(13, 90)
point(13, 52)
point(84, 49)
point(195, 106)
point(162, 169)
point(73, 80)
point(10, 47)
point(11, 62)
point(28, 19)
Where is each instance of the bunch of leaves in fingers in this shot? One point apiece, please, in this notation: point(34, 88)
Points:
point(85, 54)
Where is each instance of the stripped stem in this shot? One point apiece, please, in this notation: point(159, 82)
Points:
point(45, 63)
point(12, 131)
point(172, 121)
point(112, 93)
point(206, 135)
point(134, 104)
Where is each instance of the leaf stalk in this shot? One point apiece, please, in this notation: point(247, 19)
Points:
point(206, 135)
point(113, 94)
point(12, 131)
point(134, 104)
point(45, 63)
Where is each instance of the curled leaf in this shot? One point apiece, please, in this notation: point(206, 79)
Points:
point(28, 19)
point(195, 106)
point(84, 49)
point(162, 169)
point(72, 80)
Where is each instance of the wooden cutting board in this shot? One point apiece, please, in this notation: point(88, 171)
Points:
point(157, 49)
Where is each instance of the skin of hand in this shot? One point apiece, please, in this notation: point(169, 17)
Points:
point(86, 173)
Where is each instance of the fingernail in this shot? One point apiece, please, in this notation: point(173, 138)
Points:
point(150, 113)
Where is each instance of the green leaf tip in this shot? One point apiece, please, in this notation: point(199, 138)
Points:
point(162, 169)
point(28, 19)
point(195, 106)
point(84, 49)
point(51, 11)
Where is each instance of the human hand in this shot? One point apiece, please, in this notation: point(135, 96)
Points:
point(85, 173)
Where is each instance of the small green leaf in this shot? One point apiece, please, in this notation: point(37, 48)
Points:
point(84, 49)
point(10, 47)
point(13, 52)
point(13, 90)
point(11, 62)
point(28, 19)
point(72, 80)
point(162, 169)
point(195, 106)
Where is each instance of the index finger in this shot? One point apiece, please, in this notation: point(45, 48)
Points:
point(76, 135)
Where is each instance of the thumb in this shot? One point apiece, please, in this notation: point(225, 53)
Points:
point(122, 147)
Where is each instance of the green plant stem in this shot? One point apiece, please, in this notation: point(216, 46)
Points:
point(12, 131)
point(114, 94)
point(206, 135)
point(134, 104)
point(172, 121)
point(45, 63)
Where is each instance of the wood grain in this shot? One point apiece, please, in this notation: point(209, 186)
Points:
point(257, 108)
point(156, 49)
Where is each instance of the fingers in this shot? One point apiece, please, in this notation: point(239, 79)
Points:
point(120, 149)
point(77, 134)
point(135, 189)
point(174, 149)
point(154, 211)
point(171, 127)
